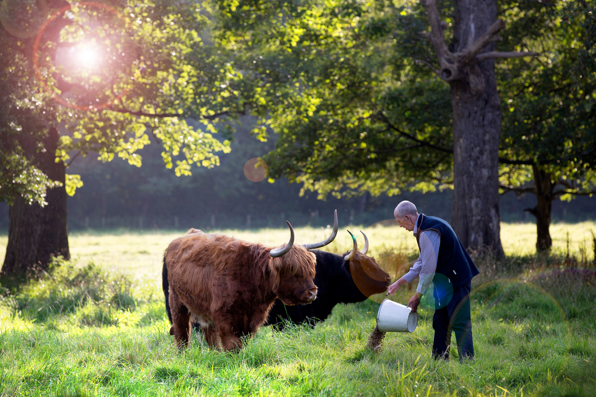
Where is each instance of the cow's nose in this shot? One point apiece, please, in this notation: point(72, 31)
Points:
point(312, 294)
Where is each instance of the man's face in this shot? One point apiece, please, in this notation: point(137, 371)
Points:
point(407, 221)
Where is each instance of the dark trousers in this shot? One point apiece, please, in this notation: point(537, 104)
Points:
point(455, 316)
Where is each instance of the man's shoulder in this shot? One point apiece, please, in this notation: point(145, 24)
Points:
point(434, 222)
point(435, 219)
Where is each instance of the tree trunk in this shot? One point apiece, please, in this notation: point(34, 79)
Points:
point(544, 200)
point(476, 131)
point(36, 233)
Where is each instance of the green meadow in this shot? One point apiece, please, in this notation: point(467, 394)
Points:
point(97, 326)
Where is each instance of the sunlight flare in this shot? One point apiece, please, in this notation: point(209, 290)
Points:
point(87, 56)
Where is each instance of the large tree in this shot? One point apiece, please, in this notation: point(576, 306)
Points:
point(345, 87)
point(549, 141)
point(103, 77)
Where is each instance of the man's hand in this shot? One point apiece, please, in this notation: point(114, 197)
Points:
point(395, 286)
point(414, 302)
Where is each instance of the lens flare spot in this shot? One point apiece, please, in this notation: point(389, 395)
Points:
point(255, 170)
point(439, 293)
point(86, 56)
point(23, 18)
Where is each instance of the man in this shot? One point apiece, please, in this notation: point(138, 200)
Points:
point(444, 260)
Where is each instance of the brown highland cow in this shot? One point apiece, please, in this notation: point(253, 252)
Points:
point(228, 285)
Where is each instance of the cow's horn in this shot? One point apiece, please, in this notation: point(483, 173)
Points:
point(276, 252)
point(365, 249)
point(354, 249)
point(329, 239)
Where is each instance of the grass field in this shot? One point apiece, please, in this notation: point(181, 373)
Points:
point(98, 327)
point(135, 252)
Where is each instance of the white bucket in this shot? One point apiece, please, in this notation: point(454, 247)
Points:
point(394, 317)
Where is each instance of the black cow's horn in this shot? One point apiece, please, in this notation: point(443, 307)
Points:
point(277, 252)
point(365, 249)
point(354, 249)
point(329, 239)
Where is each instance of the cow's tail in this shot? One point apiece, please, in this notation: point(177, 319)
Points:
point(166, 288)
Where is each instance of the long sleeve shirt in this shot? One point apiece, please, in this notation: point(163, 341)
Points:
point(426, 265)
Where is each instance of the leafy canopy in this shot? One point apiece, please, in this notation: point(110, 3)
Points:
point(337, 81)
point(155, 76)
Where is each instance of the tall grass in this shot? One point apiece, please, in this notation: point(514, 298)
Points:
point(97, 326)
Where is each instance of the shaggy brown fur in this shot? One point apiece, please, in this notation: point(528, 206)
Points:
point(228, 285)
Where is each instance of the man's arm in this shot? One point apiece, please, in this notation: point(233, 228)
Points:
point(430, 241)
point(407, 278)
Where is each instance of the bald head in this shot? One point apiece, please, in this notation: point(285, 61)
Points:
point(405, 208)
point(406, 214)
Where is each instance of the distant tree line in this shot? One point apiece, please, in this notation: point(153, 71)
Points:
point(116, 195)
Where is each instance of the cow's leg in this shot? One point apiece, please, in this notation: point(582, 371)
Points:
point(180, 320)
point(211, 336)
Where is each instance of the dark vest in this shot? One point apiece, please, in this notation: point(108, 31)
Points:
point(453, 260)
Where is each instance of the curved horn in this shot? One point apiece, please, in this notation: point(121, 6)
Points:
point(277, 252)
point(354, 249)
point(329, 239)
point(365, 249)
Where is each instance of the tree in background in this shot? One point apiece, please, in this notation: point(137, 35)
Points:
point(356, 90)
point(548, 145)
point(111, 77)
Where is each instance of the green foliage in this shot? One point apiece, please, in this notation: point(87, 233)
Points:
point(24, 117)
point(20, 178)
point(345, 86)
point(337, 82)
point(163, 72)
point(156, 76)
point(550, 117)
point(72, 183)
point(91, 292)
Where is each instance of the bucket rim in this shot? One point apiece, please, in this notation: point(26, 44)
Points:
point(381, 306)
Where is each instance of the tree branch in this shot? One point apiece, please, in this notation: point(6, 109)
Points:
point(426, 63)
point(411, 137)
point(562, 192)
point(532, 211)
point(517, 190)
point(490, 36)
point(436, 36)
point(73, 159)
point(497, 54)
point(565, 183)
point(165, 115)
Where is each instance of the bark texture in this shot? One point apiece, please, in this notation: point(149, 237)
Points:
point(476, 131)
point(36, 233)
point(476, 118)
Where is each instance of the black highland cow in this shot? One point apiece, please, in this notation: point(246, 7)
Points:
point(340, 279)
